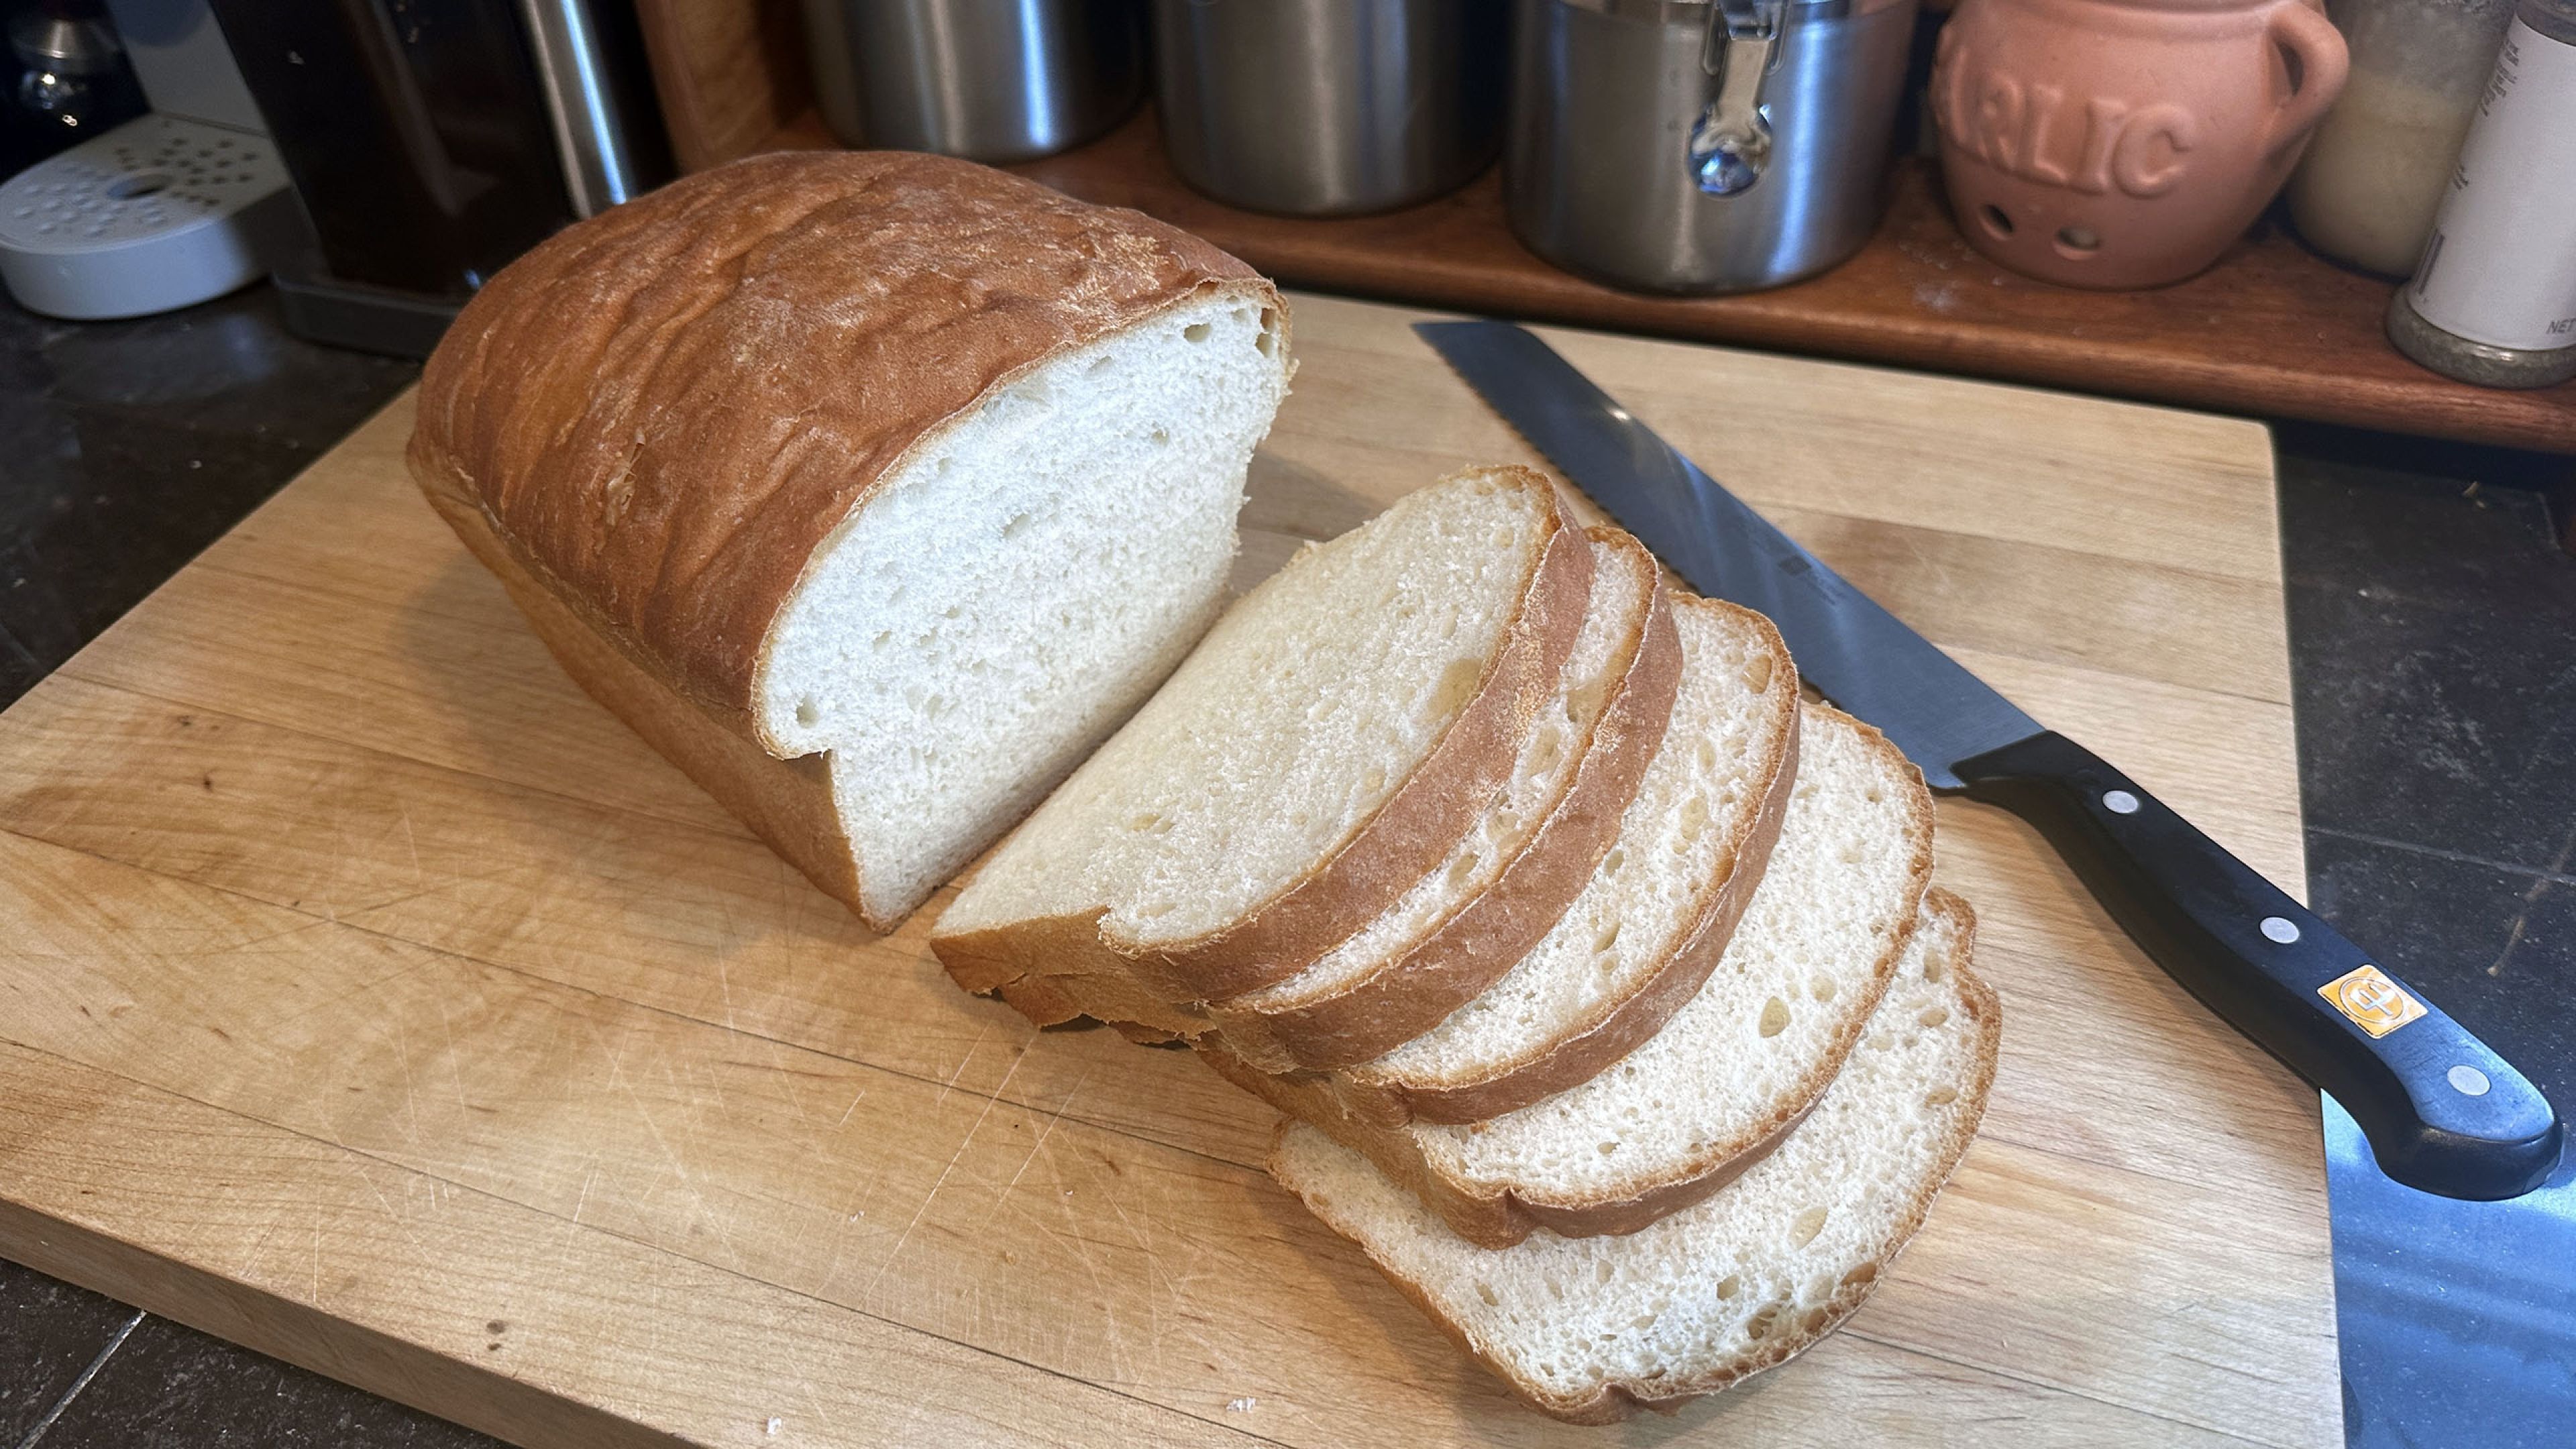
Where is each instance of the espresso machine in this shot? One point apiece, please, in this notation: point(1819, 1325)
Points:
point(184, 202)
point(379, 158)
point(431, 141)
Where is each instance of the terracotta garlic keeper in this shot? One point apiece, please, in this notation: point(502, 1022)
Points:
point(2125, 143)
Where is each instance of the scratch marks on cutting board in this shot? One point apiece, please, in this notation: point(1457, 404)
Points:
point(965, 1059)
point(250, 1260)
point(965, 1141)
point(447, 1030)
point(411, 1097)
point(674, 1164)
point(355, 1168)
point(1038, 1143)
point(589, 1179)
point(724, 979)
point(411, 843)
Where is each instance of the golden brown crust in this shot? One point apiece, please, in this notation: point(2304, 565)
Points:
point(1106, 996)
point(1497, 1217)
point(1040, 1000)
point(1423, 820)
point(985, 961)
point(1409, 994)
point(664, 411)
point(1619, 1399)
point(787, 803)
point(1489, 1221)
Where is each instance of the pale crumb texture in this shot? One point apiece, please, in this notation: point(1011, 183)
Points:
point(1677, 839)
point(1844, 881)
point(1023, 583)
point(1608, 641)
point(1301, 713)
point(1728, 1286)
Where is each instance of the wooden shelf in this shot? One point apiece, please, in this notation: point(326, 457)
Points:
point(2271, 330)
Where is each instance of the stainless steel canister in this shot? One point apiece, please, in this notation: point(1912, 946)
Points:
point(1329, 107)
point(993, 80)
point(1702, 145)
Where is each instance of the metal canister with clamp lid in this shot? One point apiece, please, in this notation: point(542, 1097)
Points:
point(1702, 145)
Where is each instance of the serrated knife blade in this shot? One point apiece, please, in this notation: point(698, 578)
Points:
point(1860, 656)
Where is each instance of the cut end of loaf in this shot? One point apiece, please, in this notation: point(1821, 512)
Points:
point(1019, 585)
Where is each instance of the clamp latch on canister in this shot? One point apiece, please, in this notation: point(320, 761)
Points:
point(1731, 142)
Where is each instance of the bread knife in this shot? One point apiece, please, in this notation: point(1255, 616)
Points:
point(2443, 1113)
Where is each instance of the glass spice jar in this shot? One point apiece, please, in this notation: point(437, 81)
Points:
point(2366, 191)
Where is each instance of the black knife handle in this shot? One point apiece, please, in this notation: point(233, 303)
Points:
point(2443, 1113)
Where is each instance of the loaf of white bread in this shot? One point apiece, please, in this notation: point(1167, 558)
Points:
point(1601, 978)
point(1598, 974)
point(873, 489)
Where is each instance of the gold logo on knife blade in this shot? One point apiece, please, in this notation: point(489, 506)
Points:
point(2376, 1004)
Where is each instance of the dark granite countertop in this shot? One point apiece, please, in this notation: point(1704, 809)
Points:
point(2433, 651)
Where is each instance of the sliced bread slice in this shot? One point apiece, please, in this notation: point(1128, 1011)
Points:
point(1730, 1073)
point(1654, 919)
point(1466, 920)
point(1335, 735)
point(1591, 1329)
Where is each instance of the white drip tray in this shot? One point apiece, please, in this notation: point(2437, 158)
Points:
point(157, 214)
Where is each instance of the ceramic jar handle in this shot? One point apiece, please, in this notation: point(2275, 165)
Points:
point(2312, 40)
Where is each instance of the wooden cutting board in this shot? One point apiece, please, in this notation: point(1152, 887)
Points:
point(369, 996)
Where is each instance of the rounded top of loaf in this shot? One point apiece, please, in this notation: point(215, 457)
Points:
point(666, 410)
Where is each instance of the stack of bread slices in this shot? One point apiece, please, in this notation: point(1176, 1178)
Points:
point(1598, 973)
